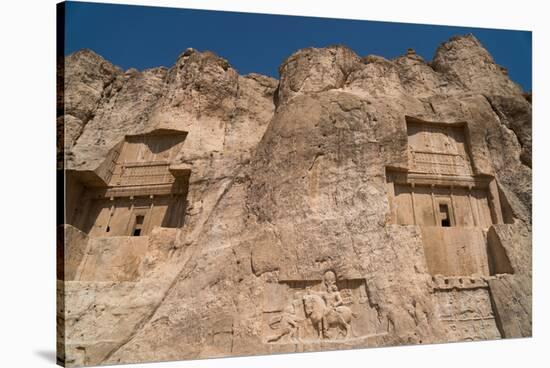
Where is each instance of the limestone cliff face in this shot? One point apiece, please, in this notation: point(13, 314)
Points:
point(289, 181)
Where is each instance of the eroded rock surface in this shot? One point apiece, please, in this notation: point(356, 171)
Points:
point(294, 237)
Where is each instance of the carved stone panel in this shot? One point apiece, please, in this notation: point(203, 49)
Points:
point(142, 173)
point(466, 313)
point(438, 149)
point(308, 311)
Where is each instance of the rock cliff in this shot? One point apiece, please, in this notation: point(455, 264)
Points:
point(288, 198)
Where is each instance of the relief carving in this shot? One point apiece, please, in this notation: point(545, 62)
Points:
point(286, 325)
point(467, 313)
point(438, 149)
point(326, 309)
point(302, 311)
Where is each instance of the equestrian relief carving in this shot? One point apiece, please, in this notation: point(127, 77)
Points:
point(301, 311)
point(326, 310)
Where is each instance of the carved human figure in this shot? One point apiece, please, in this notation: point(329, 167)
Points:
point(325, 308)
point(332, 295)
point(329, 279)
point(333, 299)
point(287, 325)
point(411, 152)
point(322, 317)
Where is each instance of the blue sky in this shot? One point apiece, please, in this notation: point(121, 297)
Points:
point(144, 37)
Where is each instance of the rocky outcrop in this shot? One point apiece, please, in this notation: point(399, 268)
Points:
point(82, 79)
point(288, 184)
point(464, 60)
point(315, 70)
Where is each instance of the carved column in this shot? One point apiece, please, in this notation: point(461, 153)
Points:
point(130, 217)
point(472, 209)
point(111, 213)
point(413, 205)
point(452, 215)
point(436, 217)
point(496, 210)
point(391, 200)
point(147, 226)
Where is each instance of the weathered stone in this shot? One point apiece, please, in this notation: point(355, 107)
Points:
point(464, 60)
point(354, 203)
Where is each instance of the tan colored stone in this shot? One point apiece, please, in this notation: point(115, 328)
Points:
point(353, 203)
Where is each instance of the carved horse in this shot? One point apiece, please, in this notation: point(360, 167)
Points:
point(318, 312)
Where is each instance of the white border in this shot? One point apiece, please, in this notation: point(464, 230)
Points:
point(28, 180)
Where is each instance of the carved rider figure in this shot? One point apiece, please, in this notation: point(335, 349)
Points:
point(325, 309)
point(332, 297)
point(329, 278)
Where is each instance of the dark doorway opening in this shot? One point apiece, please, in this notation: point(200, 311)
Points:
point(138, 225)
point(444, 215)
